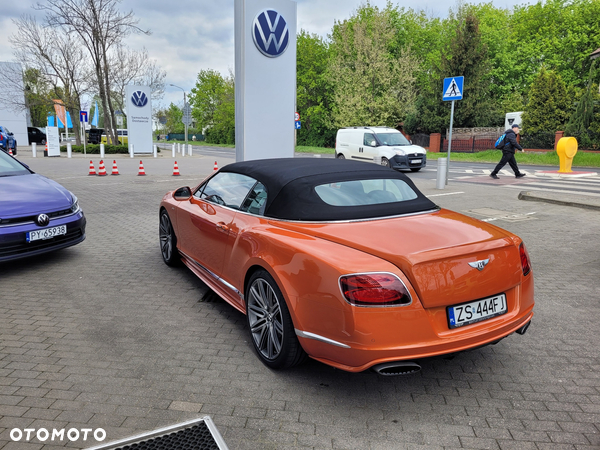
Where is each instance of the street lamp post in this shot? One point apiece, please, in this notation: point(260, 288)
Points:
point(185, 123)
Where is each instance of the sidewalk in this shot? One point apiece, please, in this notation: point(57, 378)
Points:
point(579, 201)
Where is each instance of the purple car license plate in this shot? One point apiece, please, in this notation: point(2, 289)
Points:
point(46, 233)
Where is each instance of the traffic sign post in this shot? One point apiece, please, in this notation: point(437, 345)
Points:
point(452, 90)
point(83, 118)
point(297, 124)
point(186, 119)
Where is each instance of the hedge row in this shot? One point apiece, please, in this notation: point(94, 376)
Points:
point(94, 149)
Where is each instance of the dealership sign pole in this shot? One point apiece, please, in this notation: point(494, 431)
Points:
point(139, 119)
point(265, 78)
point(453, 90)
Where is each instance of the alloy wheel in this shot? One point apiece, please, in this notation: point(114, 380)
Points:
point(265, 319)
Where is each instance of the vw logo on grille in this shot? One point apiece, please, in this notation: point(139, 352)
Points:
point(479, 265)
point(139, 99)
point(270, 33)
point(42, 220)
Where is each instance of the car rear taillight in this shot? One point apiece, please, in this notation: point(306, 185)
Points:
point(374, 289)
point(525, 264)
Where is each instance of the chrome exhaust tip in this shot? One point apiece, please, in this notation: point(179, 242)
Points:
point(397, 368)
point(524, 328)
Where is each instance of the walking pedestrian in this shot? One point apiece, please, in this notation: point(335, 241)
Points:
point(508, 153)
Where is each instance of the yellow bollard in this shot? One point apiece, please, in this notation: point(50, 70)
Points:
point(566, 149)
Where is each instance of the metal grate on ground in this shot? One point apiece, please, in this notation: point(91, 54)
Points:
point(197, 434)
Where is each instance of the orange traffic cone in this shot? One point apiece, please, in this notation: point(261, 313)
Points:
point(115, 170)
point(176, 170)
point(102, 169)
point(10, 152)
point(92, 169)
point(46, 154)
point(141, 171)
point(215, 168)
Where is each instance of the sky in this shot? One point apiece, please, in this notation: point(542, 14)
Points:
point(188, 36)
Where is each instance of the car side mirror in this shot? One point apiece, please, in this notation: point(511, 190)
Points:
point(373, 144)
point(183, 193)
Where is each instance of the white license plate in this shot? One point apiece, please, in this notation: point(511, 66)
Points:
point(416, 161)
point(46, 233)
point(476, 311)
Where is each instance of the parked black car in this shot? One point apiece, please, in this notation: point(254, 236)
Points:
point(36, 135)
point(95, 135)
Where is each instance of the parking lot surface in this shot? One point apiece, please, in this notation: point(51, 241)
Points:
point(105, 335)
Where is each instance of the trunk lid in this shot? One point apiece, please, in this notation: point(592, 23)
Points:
point(434, 251)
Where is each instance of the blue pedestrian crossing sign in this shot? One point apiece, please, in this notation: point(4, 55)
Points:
point(453, 88)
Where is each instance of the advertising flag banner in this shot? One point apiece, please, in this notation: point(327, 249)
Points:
point(61, 112)
point(94, 121)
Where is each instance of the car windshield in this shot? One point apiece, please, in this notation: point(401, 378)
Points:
point(365, 192)
point(392, 139)
point(10, 167)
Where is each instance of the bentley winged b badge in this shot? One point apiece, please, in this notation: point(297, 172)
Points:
point(479, 265)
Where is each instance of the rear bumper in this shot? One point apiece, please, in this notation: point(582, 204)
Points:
point(371, 336)
point(361, 359)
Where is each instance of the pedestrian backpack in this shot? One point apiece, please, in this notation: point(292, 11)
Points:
point(500, 142)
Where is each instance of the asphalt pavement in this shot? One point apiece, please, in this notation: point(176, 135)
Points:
point(105, 335)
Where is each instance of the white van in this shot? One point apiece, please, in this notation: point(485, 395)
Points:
point(384, 145)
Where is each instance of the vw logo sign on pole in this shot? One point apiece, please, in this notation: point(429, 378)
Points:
point(139, 119)
point(265, 78)
point(270, 33)
point(139, 99)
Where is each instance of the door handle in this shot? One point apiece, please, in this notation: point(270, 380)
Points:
point(222, 227)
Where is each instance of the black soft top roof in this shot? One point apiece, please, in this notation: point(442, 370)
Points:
point(291, 195)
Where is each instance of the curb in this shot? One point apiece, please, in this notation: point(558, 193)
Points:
point(536, 197)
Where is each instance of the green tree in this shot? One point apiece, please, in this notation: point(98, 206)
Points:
point(584, 112)
point(174, 114)
point(313, 92)
point(37, 96)
point(222, 130)
point(548, 108)
point(371, 85)
point(206, 97)
point(559, 34)
point(465, 55)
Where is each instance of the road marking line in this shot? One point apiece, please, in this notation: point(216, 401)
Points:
point(447, 193)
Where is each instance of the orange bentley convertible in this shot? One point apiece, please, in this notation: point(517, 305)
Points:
point(348, 263)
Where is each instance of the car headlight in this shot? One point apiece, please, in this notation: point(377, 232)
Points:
point(400, 152)
point(75, 204)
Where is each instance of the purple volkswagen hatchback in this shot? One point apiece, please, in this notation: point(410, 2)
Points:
point(37, 215)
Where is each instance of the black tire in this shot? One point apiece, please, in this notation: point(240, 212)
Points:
point(168, 241)
point(270, 324)
point(340, 156)
point(385, 162)
point(416, 169)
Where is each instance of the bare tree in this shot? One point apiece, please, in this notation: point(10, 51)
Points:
point(134, 67)
point(101, 27)
point(57, 59)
